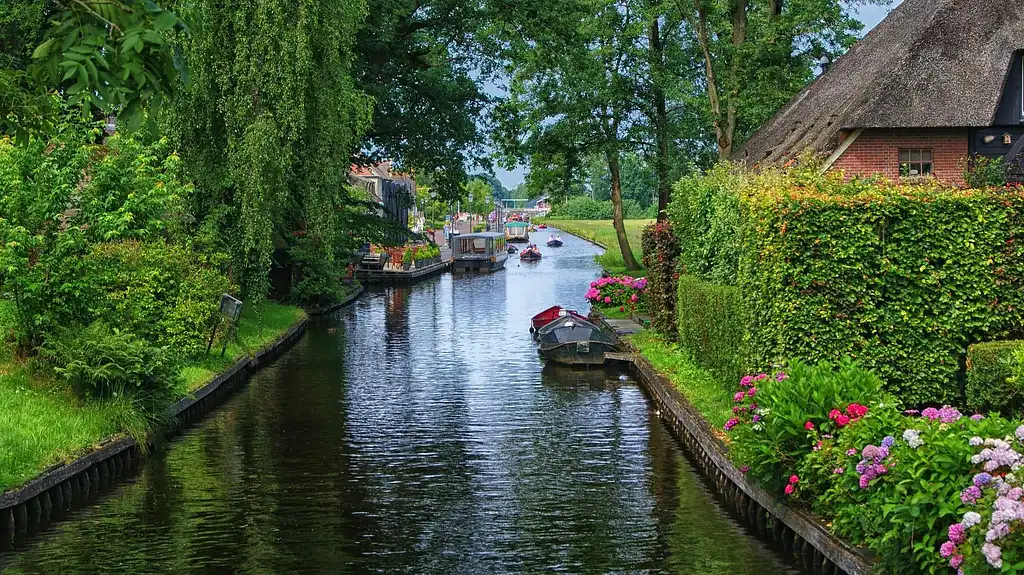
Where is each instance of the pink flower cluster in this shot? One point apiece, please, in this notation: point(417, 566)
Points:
point(746, 410)
point(945, 415)
point(617, 290)
point(854, 412)
point(791, 486)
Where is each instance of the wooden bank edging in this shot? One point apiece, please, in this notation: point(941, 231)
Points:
point(65, 487)
point(800, 535)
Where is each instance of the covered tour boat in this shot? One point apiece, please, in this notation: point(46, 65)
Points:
point(517, 232)
point(573, 341)
point(551, 314)
point(479, 252)
point(530, 254)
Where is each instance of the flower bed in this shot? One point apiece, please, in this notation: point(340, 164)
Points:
point(929, 491)
point(623, 293)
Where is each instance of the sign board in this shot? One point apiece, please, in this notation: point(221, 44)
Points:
point(230, 307)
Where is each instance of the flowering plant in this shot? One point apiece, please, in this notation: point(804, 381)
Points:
point(623, 292)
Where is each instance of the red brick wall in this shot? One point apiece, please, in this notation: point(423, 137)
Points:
point(876, 151)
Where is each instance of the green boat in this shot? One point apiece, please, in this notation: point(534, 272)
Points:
point(518, 232)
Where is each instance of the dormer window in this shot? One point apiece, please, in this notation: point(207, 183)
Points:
point(915, 163)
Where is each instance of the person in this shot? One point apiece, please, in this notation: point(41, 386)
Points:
point(551, 237)
point(558, 237)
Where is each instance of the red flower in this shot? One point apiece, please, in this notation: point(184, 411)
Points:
point(794, 479)
point(808, 426)
point(843, 420)
point(855, 410)
point(834, 414)
point(789, 489)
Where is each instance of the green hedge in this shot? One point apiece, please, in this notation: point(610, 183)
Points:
point(992, 377)
point(711, 326)
point(705, 215)
point(901, 278)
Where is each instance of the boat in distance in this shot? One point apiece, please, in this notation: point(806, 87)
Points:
point(479, 252)
point(530, 254)
point(572, 341)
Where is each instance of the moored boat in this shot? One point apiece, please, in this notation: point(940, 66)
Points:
point(573, 341)
point(480, 252)
point(551, 314)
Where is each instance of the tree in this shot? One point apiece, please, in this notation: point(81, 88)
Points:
point(416, 59)
point(106, 56)
point(572, 65)
point(757, 54)
point(267, 129)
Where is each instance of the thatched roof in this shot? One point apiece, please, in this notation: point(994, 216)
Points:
point(930, 63)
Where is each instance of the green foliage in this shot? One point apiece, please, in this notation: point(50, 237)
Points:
point(711, 325)
point(586, 208)
point(773, 445)
point(982, 172)
point(902, 278)
point(660, 252)
point(271, 119)
point(98, 361)
point(993, 379)
point(705, 214)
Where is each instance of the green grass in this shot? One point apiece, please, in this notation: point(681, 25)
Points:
point(257, 328)
point(602, 233)
point(702, 389)
point(611, 312)
point(44, 424)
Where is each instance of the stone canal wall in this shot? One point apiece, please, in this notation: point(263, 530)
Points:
point(799, 536)
point(65, 487)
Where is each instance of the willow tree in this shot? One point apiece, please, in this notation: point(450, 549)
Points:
point(268, 126)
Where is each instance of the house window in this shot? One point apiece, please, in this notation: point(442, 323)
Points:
point(915, 163)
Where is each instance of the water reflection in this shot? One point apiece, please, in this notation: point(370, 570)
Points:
point(418, 432)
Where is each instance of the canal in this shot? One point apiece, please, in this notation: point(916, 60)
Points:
point(418, 432)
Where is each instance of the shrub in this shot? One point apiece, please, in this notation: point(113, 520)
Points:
point(992, 382)
point(166, 294)
point(900, 277)
point(705, 214)
point(660, 255)
point(618, 291)
point(98, 361)
point(983, 172)
point(777, 415)
point(711, 326)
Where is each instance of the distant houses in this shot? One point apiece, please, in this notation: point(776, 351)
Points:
point(392, 191)
point(936, 83)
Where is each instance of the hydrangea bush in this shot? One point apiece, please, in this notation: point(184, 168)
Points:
point(623, 292)
point(929, 492)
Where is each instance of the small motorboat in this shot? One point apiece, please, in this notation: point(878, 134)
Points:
point(542, 226)
point(512, 249)
point(530, 254)
point(551, 314)
point(555, 242)
point(573, 341)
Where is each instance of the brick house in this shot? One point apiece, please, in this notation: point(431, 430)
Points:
point(936, 83)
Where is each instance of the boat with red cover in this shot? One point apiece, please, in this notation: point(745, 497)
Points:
point(551, 314)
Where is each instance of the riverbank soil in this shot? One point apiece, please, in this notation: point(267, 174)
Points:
point(44, 423)
point(602, 232)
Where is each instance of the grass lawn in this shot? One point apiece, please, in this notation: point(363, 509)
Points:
point(703, 390)
point(603, 233)
point(44, 424)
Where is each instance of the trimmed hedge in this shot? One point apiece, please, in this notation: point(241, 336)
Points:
point(661, 249)
point(711, 326)
point(900, 277)
point(991, 383)
point(705, 216)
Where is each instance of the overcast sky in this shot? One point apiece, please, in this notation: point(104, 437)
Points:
point(869, 15)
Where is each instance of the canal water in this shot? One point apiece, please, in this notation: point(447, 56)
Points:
point(418, 432)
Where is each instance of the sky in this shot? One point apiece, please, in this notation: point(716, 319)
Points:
point(869, 15)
